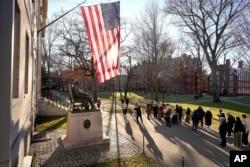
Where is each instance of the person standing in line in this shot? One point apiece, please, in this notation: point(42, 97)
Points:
point(188, 113)
point(149, 108)
point(127, 101)
point(245, 134)
point(208, 118)
point(202, 114)
point(195, 119)
point(177, 112)
point(221, 114)
point(160, 110)
point(180, 113)
point(238, 129)
point(223, 131)
point(124, 109)
point(167, 114)
point(230, 123)
point(122, 100)
point(155, 109)
point(137, 108)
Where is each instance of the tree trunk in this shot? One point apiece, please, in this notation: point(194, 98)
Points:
point(216, 97)
point(156, 90)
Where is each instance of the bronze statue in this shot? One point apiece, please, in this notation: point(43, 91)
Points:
point(84, 97)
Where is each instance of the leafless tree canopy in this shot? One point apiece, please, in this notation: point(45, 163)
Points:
point(213, 23)
point(152, 44)
point(244, 35)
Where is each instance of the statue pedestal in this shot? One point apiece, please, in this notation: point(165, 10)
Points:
point(84, 129)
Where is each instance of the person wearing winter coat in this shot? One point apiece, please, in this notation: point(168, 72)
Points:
point(201, 114)
point(155, 109)
point(223, 131)
point(245, 134)
point(208, 118)
point(238, 129)
point(230, 123)
point(124, 109)
point(137, 108)
point(188, 113)
point(195, 119)
point(167, 113)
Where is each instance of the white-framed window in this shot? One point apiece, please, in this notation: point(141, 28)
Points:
point(230, 90)
point(27, 55)
point(16, 58)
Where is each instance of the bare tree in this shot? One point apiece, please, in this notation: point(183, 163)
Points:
point(128, 66)
point(212, 23)
point(244, 34)
point(151, 42)
point(192, 45)
point(73, 50)
point(74, 47)
point(48, 46)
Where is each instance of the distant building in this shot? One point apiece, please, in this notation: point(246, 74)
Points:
point(20, 44)
point(177, 75)
point(85, 81)
point(232, 80)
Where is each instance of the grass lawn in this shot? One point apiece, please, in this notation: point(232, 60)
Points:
point(138, 160)
point(50, 123)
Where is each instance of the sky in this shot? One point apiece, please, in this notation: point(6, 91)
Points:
point(128, 8)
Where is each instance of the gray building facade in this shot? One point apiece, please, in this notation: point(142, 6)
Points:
point(19, 72)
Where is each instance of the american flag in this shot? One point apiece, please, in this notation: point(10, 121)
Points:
point(102, 23)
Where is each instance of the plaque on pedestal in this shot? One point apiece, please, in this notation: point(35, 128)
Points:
point(83, 129)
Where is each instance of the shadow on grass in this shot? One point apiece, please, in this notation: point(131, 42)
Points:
point(50, 123)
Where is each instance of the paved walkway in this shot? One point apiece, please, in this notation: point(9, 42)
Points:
point(171, 147)
point(51, 153)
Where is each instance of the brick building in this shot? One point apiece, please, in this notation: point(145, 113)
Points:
point(85, 82)
point(232, 80)
point(178, 75)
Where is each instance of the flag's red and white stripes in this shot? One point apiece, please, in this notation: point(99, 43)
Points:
point(105, 44)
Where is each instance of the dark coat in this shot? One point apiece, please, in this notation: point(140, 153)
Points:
point(138, 110)
point(223, 127)
point(208, 118)
point(238, 127)
point(201, 112)
point(230, 121)
point(196, 117)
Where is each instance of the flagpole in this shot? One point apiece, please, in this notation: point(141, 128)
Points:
point(115, 93)
point(60, 17)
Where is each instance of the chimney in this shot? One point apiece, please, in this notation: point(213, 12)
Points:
point(240, 64)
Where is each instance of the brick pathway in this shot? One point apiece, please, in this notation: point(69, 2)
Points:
point(51, 153)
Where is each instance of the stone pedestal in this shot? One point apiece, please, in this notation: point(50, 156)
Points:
point(83, 129)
